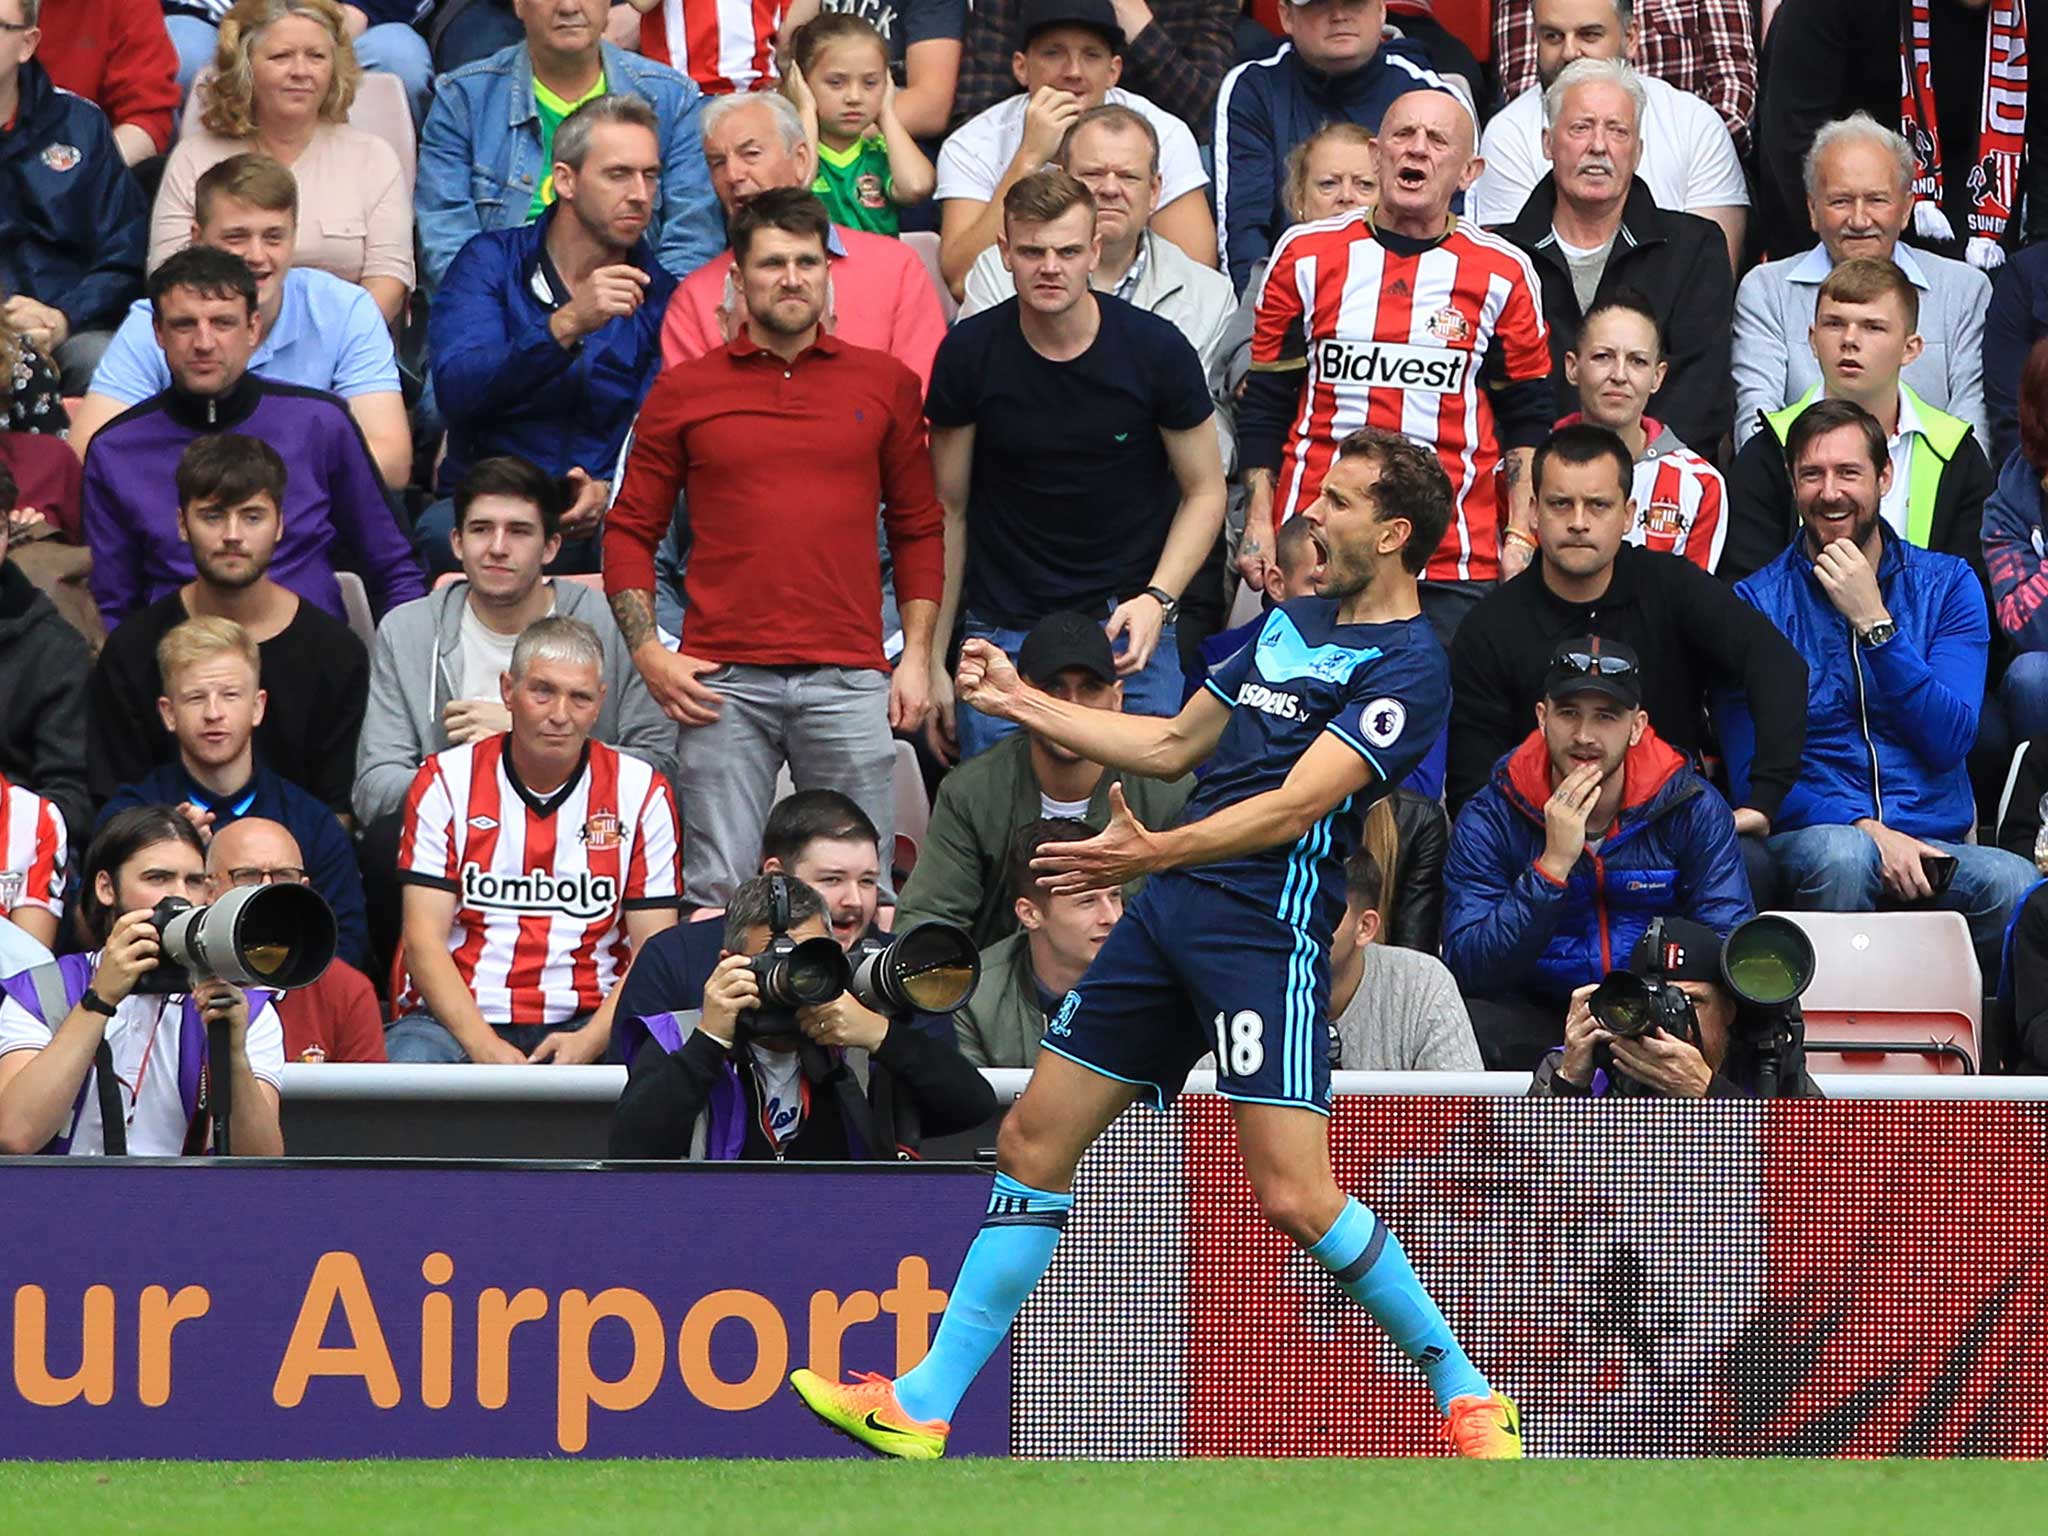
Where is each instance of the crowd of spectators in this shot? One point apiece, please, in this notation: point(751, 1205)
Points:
point(523, 469)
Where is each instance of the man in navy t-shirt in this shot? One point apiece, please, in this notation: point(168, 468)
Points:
point(1073, 452)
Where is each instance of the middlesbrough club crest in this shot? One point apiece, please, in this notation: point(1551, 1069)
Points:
point(1448, 325)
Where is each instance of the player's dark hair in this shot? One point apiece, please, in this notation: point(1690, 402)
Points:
point(1025, 883)
point(515, 479)
point(753, 906)
point(228, 468)
point(125, 835)
point(1636, 302)
point(1825, 416)
point(1294, 540)
point(1412, 484)
point(1583, 443)
point(811, 815)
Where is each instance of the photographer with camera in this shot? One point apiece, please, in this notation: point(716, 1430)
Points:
point(1676, 1024)
point(778, 1061)
point(98, 1056)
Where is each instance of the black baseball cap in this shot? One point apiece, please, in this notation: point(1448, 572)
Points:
point(1686, 951)
point(1594, 665)
point(1035, 16)
point(1062, 640)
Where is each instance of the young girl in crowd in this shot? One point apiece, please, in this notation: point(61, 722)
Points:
point(868, 165)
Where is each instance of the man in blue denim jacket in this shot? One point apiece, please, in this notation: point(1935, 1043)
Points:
point(486, 149)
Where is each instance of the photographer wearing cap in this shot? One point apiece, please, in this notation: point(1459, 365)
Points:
point(1708, 1042)
point(1589, 830)
point(93, 1061)
point(742, 1080)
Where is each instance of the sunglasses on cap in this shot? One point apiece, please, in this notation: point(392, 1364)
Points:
point(1587, 663)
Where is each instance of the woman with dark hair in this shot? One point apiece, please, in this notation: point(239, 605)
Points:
point(89, 1064)
point(2016, 553)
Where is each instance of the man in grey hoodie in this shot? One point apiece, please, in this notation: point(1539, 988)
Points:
point(434, 668)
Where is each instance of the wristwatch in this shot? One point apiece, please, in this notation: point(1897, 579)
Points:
point(92, 1002)
point(1879, 632)
point(1169, 605)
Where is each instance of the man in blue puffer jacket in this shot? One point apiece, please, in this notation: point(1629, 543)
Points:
point(1896, 640)
point(1589, 829)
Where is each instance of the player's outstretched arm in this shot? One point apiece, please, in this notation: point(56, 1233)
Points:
point(1141, 744)
point(1328, 774)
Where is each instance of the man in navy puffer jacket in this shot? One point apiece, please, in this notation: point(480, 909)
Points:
point(1896, 640)
point(1590, 828)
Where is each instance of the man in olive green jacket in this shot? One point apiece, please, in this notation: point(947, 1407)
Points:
point(1025, 977)
point(961, 869)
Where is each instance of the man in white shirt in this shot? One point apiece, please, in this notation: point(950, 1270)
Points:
point(1070, 61)
point(1688, 159)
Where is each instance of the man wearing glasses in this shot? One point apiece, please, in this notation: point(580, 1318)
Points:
point(335, 1019)
point(1588, 830)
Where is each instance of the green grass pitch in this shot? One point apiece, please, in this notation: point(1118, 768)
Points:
point(1383, 1498)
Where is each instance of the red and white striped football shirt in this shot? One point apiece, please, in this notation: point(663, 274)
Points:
point(541, 884)
point(32, 871)
point(1681, 502)
point(1396, 342)
point(723, 45)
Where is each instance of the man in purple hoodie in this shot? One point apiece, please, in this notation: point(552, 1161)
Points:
point(204, 303)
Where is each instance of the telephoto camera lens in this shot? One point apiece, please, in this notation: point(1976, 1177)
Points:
point(1768, 960)
point(928, 968)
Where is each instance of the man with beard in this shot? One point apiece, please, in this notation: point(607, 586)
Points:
point(1588, 830)
point(546, 337)
point(230, 489)
point(1689, 160)
point(785, 440)
point(1896, 639)
point(1592, 229)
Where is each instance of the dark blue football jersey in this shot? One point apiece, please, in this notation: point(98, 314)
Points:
point(1384, 690)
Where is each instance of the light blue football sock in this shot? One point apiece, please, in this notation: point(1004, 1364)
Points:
point(1006, 1260)
point(1368, 1262)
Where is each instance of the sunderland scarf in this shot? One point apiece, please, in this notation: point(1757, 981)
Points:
point(2001, 129)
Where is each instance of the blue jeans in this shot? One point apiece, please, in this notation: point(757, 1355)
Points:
point(391, 47)
point(2025, 695)
point(1836, 869)
point(1158, 690)
point(420, 1039)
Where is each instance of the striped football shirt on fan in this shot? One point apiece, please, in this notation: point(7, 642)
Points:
point(1397, 341)
point(32, 872)
point(723, 45)
point(541, 883)
point(1681, 505)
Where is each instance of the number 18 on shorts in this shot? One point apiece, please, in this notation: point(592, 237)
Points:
point(1194, 970)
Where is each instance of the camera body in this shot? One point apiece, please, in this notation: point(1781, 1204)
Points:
point(930, 968)
point(273, 936)
point(1631, 1006)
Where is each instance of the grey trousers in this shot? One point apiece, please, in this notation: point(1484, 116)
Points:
point(830, 724)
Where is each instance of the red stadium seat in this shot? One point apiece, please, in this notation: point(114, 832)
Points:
point(1896, 992)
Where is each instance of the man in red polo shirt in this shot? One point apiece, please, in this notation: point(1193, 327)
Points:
point(881, 296)
point(784, 442)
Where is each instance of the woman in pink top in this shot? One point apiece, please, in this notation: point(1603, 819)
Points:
point(282, 83)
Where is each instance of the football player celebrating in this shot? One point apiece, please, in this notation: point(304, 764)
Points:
point(1227, 947)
